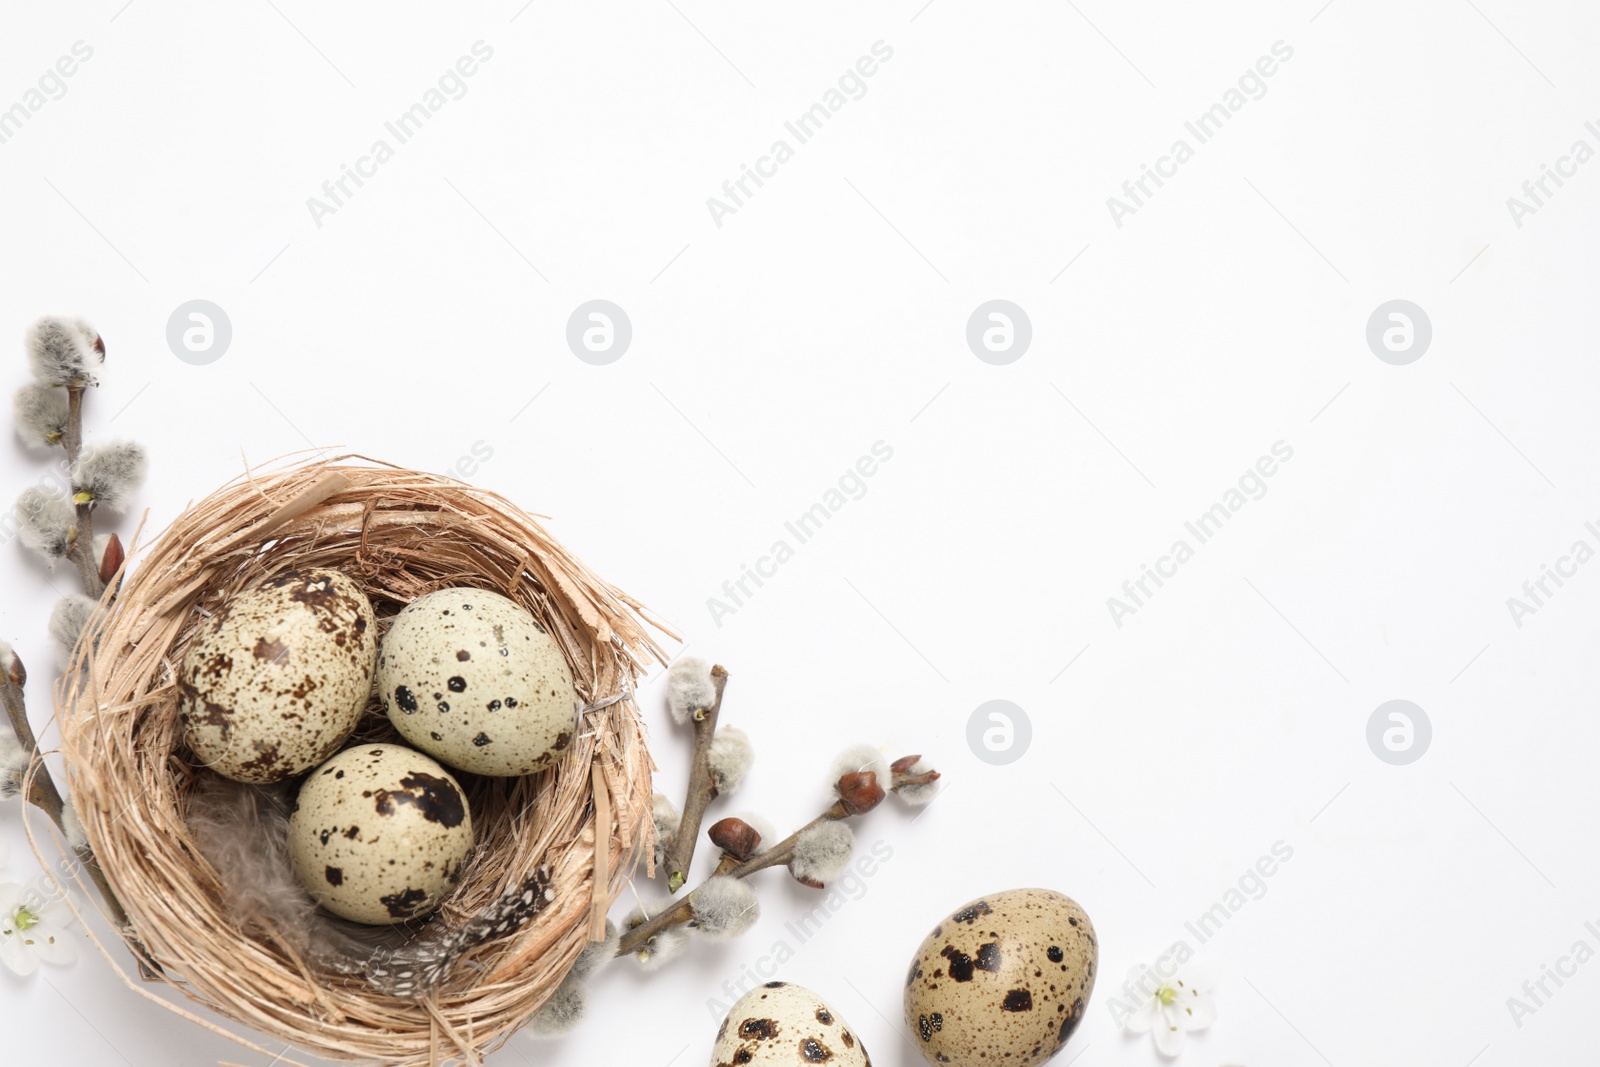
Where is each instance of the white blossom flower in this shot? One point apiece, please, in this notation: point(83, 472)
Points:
point(1169, 1008)
point(33, 926)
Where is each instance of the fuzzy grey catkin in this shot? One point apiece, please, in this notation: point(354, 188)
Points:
point(821, 852)
point(729, 758)
point(12, 768)
point(919, 793)
point(13, 760)
point(71, 827)
point(46, 522)
point(64, 351)
point(41, 414)
point(858, 758)
point(667, 818)
point(662, 948)
point(561, 1014)
point(595, 955)
point(13, 763)
point(689, 688)
point(109, 474)
point(724, 908)
point(568, 1005)
point(68, 618)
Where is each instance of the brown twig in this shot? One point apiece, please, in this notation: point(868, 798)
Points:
point(42, 791)
point(779, 855)
point(82, 551)
point(702, 790)
point(635, 939)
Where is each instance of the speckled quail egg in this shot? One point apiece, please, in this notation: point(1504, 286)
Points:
point(379, 834)
point(472, 679)
point(275, 682)
point(782, 1023)
point(1005, 979)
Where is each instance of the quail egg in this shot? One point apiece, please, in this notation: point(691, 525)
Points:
point(275, 682)
point(379, 833)
point(782, 1023)
point(471, 678)
point(1005, 979)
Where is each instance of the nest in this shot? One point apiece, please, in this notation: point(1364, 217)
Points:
point(399, 534)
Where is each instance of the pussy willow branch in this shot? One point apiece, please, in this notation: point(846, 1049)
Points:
point(43, 794)
point(82, 551)
point(778, 855)
point(701, 791)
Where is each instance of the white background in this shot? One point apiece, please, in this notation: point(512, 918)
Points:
point(427, 315)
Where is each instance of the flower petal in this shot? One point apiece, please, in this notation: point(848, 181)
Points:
point(1169, 1039)
point(1147, 1018)
point(52, 945)
point(1200, 1009)
point(16, 956)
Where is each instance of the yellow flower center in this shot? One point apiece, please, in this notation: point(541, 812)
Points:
point(25, 919)
point(1166, 994)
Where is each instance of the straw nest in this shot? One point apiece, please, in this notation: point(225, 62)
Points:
point(399, 534)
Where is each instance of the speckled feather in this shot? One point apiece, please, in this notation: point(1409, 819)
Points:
point(242, 831)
